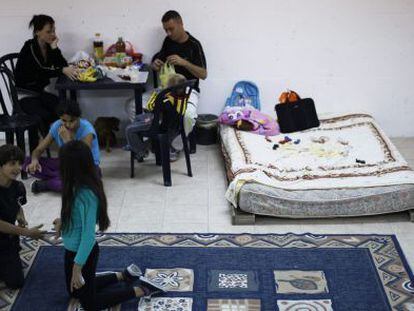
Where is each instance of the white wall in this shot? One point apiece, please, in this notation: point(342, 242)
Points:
point(348, 55)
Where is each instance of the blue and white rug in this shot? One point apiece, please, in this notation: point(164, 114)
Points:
point(223, 272)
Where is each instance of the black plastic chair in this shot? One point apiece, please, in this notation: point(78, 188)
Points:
point(9, 61)
point(166, 124)
point(15, 122)
point(191, 135)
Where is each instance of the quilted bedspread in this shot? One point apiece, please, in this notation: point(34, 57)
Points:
point(349, 151)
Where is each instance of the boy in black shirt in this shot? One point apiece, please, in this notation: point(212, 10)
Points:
point(12, 196)
point(185, 52)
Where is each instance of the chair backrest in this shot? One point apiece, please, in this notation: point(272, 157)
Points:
point(9, 61)
point(8, 91)
point(171, 103)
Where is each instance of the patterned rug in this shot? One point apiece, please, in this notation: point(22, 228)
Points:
point(232, 272)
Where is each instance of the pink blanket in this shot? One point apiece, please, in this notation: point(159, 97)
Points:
point(250, 119)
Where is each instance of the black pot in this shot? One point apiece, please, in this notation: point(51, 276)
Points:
point(206, 129)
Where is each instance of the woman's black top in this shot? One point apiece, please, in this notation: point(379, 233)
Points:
point(33, 71)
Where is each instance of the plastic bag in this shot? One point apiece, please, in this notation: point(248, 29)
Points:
point(82, 60)
point(165, 72)
point(129, 74)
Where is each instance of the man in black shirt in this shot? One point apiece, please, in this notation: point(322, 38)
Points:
point(12, 196)
point(181, 49)
point(185, 52)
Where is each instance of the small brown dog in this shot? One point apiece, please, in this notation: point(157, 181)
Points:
point(105, 128)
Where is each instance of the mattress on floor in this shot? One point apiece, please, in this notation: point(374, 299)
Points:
point(346, 167)
point(264, 200)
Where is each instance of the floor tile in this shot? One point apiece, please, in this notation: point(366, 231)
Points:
point(179, 195)
point(186, 213)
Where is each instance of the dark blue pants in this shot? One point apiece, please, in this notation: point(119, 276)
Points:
point(94, 295)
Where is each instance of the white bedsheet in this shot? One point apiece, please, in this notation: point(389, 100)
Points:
point(310, 164)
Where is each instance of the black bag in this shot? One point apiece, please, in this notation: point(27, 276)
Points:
point(297, 116)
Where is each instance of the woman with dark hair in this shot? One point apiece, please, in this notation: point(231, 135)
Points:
point(39, 60)
point(84, 205)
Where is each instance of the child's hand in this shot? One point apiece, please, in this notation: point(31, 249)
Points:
point(65, 134)
point(57, 226)
point(22, 223)
point(35, 233)
point(21, 220)
point(34, 167)
point(77, 280)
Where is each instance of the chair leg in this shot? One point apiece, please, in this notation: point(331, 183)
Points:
point(164, 144)
point(157, 151)
point(33, 139)
point(132, 173)
point(22, 146)
point(186, 153)
point(193, 142)
point(9, 137)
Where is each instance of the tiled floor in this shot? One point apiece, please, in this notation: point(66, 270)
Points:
point(197, 204)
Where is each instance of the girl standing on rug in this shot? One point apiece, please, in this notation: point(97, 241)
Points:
point(12, 196)
point(84, 205)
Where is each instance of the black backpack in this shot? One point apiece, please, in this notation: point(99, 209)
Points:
point(297, 116)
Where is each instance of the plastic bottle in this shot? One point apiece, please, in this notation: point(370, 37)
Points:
point(98, 50)
point(120, 50)
point(120, 45)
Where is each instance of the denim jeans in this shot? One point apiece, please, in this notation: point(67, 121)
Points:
point(135, 141)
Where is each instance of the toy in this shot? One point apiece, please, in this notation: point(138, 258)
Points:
point(343, 142)
point(320, 140)
point(285, 140)
point(288, 97)
point(249, 119)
